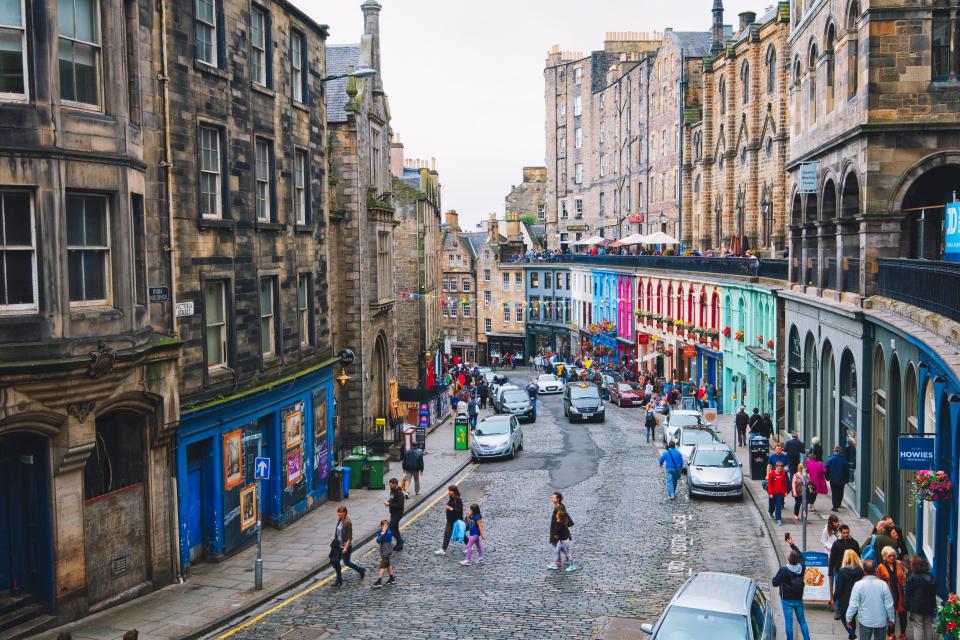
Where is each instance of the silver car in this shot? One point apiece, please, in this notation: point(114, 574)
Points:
point(680, 418)
point(721, 606)
point(496, 436)
point(690, 437)
point(714, 471)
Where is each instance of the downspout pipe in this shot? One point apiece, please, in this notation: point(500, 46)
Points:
point(681, 97)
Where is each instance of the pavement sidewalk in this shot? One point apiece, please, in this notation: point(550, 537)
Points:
point(216, 591)
point(819, 617)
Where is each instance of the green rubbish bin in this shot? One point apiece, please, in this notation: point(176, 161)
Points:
point(356, 468)
point(461, 433)
point(361, 450)
point(375, 472)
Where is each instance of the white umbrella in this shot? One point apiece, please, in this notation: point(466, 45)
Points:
point(659, 237)
point(593, 240)
point(636, 238)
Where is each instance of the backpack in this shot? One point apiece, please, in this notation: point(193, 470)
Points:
point(869, 552)
point(794, 582)
point(651, 421)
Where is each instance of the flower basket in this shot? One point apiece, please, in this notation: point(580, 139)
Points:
point(738, 336)
point(668, 352)
point(948, 616)
point(726, 332)
point(759, 339)
point(932, 486)
point(678, 323)
point(711, 333)
point(770, 344)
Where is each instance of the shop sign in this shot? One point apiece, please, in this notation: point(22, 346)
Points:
point(951, 244)
point(578, 227)
point(798, 379)
point(915, 453)
point(689, 351)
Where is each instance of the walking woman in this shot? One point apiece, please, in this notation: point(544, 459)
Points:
point(891, 572)
point(818, 480)
point(454, 510)
point(796, 490)
point(830, 533)
point(474, 535)
point(850, 573)
point(777, 491)
point(921, 598)
point(560, 539)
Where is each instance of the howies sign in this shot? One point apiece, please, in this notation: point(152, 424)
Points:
point(915, 454)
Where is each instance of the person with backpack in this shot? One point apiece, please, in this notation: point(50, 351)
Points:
point(672, 462)
point(474, 535)
point(454, 512)
point(385, 541)
point(790, 581)
point(560, 538)
point(921, 598)
point(650, 422)
point(472, 411)
point(412, 468)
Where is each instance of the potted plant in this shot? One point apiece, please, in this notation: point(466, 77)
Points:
point(932, 486)
point(738, 336)
point(726, 332)
point(948, 616)
point(759, 339)
point(770, 345)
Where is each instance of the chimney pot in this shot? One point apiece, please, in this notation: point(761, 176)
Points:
point(747, 18)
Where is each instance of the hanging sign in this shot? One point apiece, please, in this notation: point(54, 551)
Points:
point(915, 453)
point(808, 177)
point(951, 232)
point(689, 351)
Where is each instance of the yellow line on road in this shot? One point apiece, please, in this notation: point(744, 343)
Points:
point(327, 579)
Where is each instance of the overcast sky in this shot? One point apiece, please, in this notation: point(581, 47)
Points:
point(465, 78)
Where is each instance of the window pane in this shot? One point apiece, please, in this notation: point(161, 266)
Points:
point(18, 273)
point(95, 228)
point(266, 335)
point(16, 220)
point(75, 269)
point(205, 48)
point(941, 47)
point(67, 91)
point(213, 303)
point(85, 68)
point(10, 13)
point(86, 21)
point(11, 60)
point(256, 29)
point(94, 275)
point(266, 296)
point(205, 11)
point(214, 346)
point(302, 293)
point(65, 18)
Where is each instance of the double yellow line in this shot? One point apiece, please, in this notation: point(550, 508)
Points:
point(324, 581)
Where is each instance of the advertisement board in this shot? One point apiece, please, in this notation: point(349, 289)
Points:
point(951, 232)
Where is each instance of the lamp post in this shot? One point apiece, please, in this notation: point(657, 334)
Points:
point(362, 72)
point(766, 213)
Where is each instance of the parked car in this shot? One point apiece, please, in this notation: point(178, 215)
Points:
point(495, 381)
point(722, 606)
point(581, 401)
point(680, 418)
point(714, 471)
point(606, 381)
point(516, 402)
point(496, 437)
point(549, 383)
point(625, 395)
point(692, 436)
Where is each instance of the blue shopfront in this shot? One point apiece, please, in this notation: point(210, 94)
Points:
point(710, 369)
point(291, 422)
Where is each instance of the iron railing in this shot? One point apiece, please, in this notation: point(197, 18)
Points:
point(774, 268)
point(725, 266)
point(377, 443)
point(923, 283)
point(851, 276)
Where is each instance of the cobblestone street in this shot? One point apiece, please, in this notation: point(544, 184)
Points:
point(633, 548)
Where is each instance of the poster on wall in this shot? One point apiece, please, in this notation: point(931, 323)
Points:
point(321, 452)
point(294, 467)
point(248, 507)
point(293, 427)
point(233, 459)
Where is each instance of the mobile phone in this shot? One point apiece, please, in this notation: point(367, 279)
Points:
point(786, 537)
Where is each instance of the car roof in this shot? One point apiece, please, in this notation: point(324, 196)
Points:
point(686, 412)
point(714, 446)
point(547, 375)
point(495, 417)
point(507, 387)
point(714, 591)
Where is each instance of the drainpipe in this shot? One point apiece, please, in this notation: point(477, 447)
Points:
point(681, 97)
point(167, 165)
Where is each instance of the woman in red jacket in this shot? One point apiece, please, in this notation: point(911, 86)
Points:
point(777, 490)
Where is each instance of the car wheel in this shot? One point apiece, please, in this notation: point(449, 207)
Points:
point(513, 453)
point(521, 445)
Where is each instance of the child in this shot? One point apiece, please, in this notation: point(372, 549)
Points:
point(385, 540)
point(561, 539)
point(475, 535)
point(777, 491)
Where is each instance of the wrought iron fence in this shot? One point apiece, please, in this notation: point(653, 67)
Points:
point(775, 268)
point(923, 283)
point(726, 266)
point(377, 442)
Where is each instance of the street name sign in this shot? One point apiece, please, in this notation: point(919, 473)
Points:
point(159, 294)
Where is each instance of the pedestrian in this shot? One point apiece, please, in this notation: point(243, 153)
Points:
point(830, 533)
point(412, 468)
point(849, 574)
point(672, 462)
point(560, 538)
point(816, 449)
point(533, 390)
point(896, 533)
point(790, 580)
point(482, 393)
point(766, 426)
point(837, 475)
point(395, 504)
point(777, 456)
point(776, 492)
point(454, 511)
point(454, 399)
point(474, 535)
point(881, 540)
point(342, 546)
point(472, 411)
point(385, 541)
point(921, 598)
point(796, 491)
point(794, 450)
point(890, 570)
point(818, 480)
point(870, 599)
point(754, 421)
point(742, 421)
point(841, 545)
point(650, 422)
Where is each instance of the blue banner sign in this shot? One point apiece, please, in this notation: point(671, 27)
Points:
point(951, 232)
point(915, 454)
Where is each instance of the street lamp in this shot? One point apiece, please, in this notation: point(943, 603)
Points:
point(766, 212)
point(346, 359)
point(362, 72)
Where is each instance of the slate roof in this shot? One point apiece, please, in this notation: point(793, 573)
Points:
point(695, 44)
point(339, 59)
point(477, 241)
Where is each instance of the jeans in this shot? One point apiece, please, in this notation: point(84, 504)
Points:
point(395, 528)
point(345, 558)
point(650, 433)
point(473, 419)
point(776, 506)
point(672, 479)
point(922, 627)
point(873, 633)
point(563, 548)
point(794, 608)
point(533, 403)
point(836, 493)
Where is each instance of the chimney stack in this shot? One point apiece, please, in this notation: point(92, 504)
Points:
point(371, 32)
point(747, 18)
point(396, 156)
point(493, 229)
point(716, 48)
point(452, 219)
point(513, 225)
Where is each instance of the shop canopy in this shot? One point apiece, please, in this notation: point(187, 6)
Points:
point(636, 238)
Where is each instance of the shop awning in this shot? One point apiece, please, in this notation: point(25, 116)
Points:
point(625, 341)
point(491, 334)
point(649, 356)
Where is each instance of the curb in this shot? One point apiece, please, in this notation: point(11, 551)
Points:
point(311, 573)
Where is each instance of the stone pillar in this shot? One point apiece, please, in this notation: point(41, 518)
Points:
point(879, 238)
point(808, 253)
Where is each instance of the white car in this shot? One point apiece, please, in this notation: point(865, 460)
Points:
point(680, 418)
point(549, 383)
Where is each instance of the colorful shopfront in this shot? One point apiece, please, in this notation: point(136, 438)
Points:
point(748, 340)
point(291, 423)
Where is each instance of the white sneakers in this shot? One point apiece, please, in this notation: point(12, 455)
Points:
point(439, 552)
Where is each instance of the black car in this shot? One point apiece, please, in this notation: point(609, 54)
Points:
point(581, 401)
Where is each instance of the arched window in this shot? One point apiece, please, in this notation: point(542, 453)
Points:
point(812, 85)
point(745, 81)
point(715, 311)
point(703, 309)
point(722, 95)
point(660, 299)
point(680, 303)
point(828, 52)
point(771, 69)
point(690, 316)
point(853, 50)
point(649, 298)
point(670, 301)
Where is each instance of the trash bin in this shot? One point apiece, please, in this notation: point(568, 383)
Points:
point(375, 472)
point(759, 451)
point(461, 433)
point(356, 470)
point(335, 484)
point(362, 450)
point(345, 472)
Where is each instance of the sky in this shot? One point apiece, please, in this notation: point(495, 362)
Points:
point(465, 78)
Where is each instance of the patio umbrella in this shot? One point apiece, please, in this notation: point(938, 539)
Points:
point(659, 237)
point(592, 240)
point(635, 238)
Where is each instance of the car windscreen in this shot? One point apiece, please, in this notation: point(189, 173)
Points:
point(493, 428)
point(697, 436)
point(547, 378)
point(515, 395)
point(589, 392)
point(714, 458)
point(623, 386)
point(682, 623)
point(681, 420)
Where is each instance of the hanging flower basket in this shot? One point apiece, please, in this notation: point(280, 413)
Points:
point(932, 486)
point(759, 339)
point(738, 336)
point(770, 344)
point(668, 352)
point(726, 332)
point(948, 616)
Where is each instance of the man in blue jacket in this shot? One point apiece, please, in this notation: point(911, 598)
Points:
point(672, 462)
point(837, 476)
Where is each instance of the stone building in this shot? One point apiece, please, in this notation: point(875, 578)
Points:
point(734, 180)
point(458, 302)
point(418, 250)
point(501, 298)
point(596, 150)
point(527, 198)
point(362, 229)
point(88, 349)
point(249, 198)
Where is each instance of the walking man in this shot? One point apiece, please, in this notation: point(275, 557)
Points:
point(482, 392)
point(672, 462)
point(472, 411)
point(794, 450)
point(741, 420)
point(395, 504)
point(650, 422)
point(837, 475)
point(342, 546)
point(872, 601)
point(413, 464)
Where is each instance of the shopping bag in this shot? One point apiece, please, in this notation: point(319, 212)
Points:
point(459, 531)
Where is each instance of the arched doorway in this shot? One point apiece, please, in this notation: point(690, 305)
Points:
point(849, 233)
point(811, 426)
point(26, 559)
point(810, 268)
point(922, 226)
point(828, 398)
point(878, 434)
point(908, 506)
point(795, 363)
point(849, 410)
point(894, 428)
point(796, 237)
point(379, 393)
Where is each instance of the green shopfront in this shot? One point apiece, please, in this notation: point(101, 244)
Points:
point(748, 339)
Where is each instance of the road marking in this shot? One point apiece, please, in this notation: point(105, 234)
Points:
point(328, 578)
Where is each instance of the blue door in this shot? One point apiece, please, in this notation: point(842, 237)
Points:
point(193, 507)
point(25, 557)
